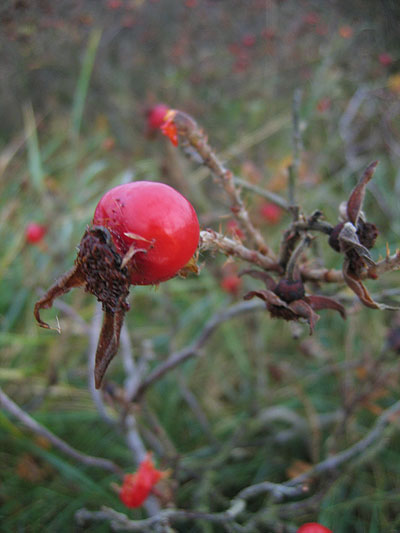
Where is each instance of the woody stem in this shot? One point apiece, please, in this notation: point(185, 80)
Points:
point(295, 256)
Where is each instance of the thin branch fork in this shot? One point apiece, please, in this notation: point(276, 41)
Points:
point(88, 460)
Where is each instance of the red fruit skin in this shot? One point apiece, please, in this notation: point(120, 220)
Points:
point(137, 487)
point(313, 527)
point(271, 213)
point(34, 232)
point(164, 222)
point(155, 117)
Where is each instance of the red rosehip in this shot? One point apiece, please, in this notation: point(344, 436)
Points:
point(136, 487)
point(153, 225)
point(313, 527)
point(34, 232)
point(270, 212)
point(155, 117)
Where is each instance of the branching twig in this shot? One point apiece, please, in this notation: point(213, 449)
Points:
point(88, 460)
point(211, 240)
point(177, 358)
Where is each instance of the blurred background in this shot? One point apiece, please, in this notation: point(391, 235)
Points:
point(79, 80)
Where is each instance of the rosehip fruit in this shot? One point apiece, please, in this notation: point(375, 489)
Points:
point(313, 527)
point(34, 232)
point(153, 227)
point(155, 117)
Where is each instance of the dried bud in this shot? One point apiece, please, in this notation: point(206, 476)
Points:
point(290, 290)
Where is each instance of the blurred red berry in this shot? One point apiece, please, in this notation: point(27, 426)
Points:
point(137, 487)
point(311, 18)
point(231, 283)
point(233, 228)
point(34, 232)
point(385, 59)
point(313, 527)
point(270, 212)
point(248, 40)
point(155, 117)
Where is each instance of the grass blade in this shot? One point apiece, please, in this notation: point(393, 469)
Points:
point(83, 82)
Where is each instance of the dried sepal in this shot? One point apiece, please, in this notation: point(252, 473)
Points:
point(356, 199)
point(318, 302)
point(349, 241)
point(287, 299)
point(108, 344)
point(359, 289)
point(69, 280)
point(98, 268)
point(303, 310)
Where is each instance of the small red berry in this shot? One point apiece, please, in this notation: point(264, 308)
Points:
point(313, 527)
point(34, 232)
point(270, 212)
point(155, 117)
point(152, 225)
point(136, 487)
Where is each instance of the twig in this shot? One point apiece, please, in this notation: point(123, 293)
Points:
point(332, 463)
point(211, 240)
point(88, 460)
point(273, 197)
point(177, 358)
point(120, 522)
point(188, 129)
